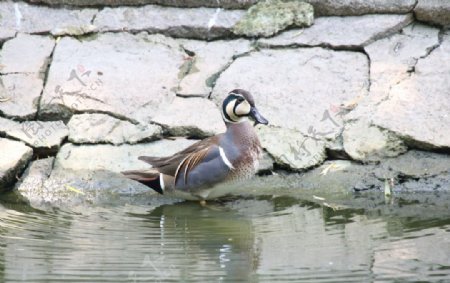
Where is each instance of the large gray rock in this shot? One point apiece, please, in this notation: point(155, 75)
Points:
point(210, 58)
point(335, 181)
point(291, 149)
point(45, 137)
point(6, 33)
point(102, 128)
point(14, 157)
point(433, 11)
point(45, 188)
point(365, 142)
point(303, 92)
point(268, 17)
point(132, 86)
point(6, 125)
point(34, 176)
point(202, 23)
point(21, 17)
point(26, 54)
point(392, 61)
point(227, 4)
point(341, 32)
point(404, 74)
point(321, 7)
point(416, 171)
point(266, 163)
point(414, 164)
point(41, 135)
point(361, 7)
point(20, 95)
point(339, 176)
point(115, 158)
point(392, 58)
point(433, 185)
point(193, 117)
point(78, 189)
point(418, 107)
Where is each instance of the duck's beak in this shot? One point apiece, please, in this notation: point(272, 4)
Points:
point(259, 119)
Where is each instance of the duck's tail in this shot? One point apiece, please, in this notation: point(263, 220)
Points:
point(150, 178)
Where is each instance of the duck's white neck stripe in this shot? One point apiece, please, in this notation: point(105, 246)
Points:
point(225, 159)
point(241, 120)
point(161, 181)
point(226, 120)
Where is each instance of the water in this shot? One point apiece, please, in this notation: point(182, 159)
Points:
point(255, 239)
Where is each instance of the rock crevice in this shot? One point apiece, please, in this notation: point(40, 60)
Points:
point(47, 69)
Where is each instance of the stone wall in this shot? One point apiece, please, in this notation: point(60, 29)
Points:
point(433, 11)
point(97, 86)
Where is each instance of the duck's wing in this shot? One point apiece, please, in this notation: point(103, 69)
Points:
point(168, 165)
point(201, 164)
point(202, 168)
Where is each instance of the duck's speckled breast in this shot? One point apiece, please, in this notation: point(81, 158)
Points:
point(248, 150)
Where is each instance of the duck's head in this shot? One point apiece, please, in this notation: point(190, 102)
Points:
point(238, 106)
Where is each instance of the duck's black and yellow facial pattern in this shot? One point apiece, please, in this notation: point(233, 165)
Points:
point(238, 105)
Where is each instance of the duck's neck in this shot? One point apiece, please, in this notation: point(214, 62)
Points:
point(238, 126)
point(241, 132)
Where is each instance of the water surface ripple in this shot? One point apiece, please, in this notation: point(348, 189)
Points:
point(258, 239)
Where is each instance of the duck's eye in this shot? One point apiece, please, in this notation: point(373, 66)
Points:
point(240, 99)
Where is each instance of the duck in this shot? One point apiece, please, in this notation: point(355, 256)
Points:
point(205, 169)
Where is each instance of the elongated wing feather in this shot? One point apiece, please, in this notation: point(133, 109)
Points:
point(169, 165)
point(149, 159)
point(141, 175)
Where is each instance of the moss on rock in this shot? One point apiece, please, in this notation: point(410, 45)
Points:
point(268, 17)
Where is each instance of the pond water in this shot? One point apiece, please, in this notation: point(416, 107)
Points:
point(252, 239)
